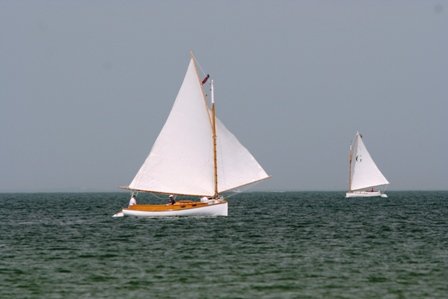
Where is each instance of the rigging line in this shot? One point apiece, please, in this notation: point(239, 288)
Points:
point(243, 191)
point(233, 194)
point(155, 195)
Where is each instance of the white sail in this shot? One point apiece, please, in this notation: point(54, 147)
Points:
point(181, 160)
point(236, 165)
point(364, 172)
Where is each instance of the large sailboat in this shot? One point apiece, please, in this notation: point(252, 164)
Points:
point(195, 155)
point(365, 178)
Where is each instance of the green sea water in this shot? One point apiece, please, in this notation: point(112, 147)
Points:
point(272, 245)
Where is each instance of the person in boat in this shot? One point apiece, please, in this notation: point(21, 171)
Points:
point(204, 199)
point(133, 200)
point(172, 199)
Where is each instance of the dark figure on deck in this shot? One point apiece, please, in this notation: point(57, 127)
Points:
point(172, 200)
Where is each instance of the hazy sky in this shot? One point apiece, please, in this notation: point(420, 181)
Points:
point(85, 87)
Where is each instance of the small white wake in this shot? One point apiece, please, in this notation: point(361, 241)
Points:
point(118, 214)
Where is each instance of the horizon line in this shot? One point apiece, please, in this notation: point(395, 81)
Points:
point(254, 191)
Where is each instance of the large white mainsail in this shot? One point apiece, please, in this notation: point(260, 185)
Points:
point(364, 173)
point(181, 160)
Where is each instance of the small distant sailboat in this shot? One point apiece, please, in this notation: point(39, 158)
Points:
point(194, 155)
point(364, 176)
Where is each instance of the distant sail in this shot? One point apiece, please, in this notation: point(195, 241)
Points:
point(364, 172)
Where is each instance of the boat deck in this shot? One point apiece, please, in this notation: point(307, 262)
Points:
point(180, 205)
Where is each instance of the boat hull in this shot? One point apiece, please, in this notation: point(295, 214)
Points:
point(179, 209)
point(365, 194)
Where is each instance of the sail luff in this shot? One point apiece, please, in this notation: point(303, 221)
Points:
point(350, 169)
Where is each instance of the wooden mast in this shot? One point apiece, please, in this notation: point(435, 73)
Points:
point(215, 160)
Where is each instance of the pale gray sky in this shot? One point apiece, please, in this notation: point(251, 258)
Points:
point(85, 87)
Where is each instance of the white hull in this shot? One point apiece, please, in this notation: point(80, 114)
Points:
point(219, 209)
point(365, 194)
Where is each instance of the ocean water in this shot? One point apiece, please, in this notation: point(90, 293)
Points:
point(272, 245)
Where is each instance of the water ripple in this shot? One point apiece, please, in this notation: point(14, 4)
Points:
point(273, 245)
